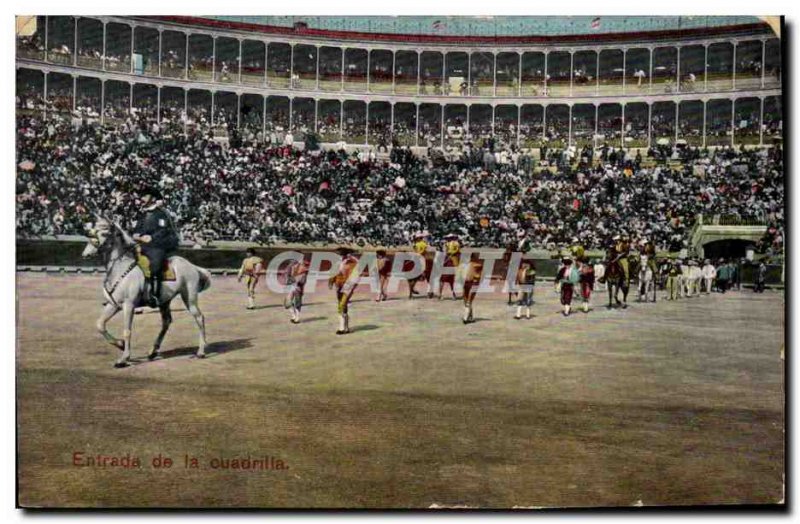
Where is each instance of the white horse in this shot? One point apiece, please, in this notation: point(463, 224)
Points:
point(646, 282)
point(125, 288)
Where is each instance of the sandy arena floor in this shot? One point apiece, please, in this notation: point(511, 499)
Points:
point(675, 403)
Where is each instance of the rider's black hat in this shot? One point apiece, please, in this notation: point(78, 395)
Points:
point(153, 192)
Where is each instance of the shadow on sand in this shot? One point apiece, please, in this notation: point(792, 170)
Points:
point(213, 349)
point(365, 327)
point(312, 319)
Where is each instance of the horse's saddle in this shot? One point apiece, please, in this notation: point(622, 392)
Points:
point(167, 272)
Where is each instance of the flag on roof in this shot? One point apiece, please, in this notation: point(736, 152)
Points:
point(596, 23)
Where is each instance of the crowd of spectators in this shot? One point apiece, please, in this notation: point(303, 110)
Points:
point(248, 190)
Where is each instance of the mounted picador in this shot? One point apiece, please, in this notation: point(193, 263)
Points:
point(157, 238)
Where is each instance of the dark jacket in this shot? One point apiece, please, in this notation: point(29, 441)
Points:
point(158, 224)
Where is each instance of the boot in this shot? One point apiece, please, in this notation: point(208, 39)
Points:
point(465, 318)
point(155, 288)
point(566, 310)
point(585, 307)
point(528, 312)
point(251, 302)
point(344, 324)
point(519, 313)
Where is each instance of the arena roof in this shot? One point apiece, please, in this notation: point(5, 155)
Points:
point(485, 30)
point(493, 26)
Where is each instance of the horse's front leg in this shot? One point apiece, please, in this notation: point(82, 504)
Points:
point(127, 316)
point(166, 320)
point(108, 313)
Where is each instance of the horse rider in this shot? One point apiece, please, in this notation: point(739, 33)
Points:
point(157, 238)
point(250, 270)
point(622, 248)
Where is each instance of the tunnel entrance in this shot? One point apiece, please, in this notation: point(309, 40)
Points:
point(731, 248)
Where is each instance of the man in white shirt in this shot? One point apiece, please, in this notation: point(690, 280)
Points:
point(709, 273)
point(599, 272)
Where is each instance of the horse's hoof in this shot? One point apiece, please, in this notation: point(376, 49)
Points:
point(200, 355)
point(120, 365)
point(154, 355)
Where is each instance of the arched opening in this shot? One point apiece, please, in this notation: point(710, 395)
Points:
point(729, 248)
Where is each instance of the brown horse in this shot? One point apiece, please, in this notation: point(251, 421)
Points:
point(614, 278)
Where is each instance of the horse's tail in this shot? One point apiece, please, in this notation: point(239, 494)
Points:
point(205, 279)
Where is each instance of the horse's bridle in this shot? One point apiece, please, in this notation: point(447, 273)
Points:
point(110, 263)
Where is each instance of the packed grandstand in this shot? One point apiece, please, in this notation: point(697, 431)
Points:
point(296, 133)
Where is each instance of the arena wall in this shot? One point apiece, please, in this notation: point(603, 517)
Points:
point(65, 255)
